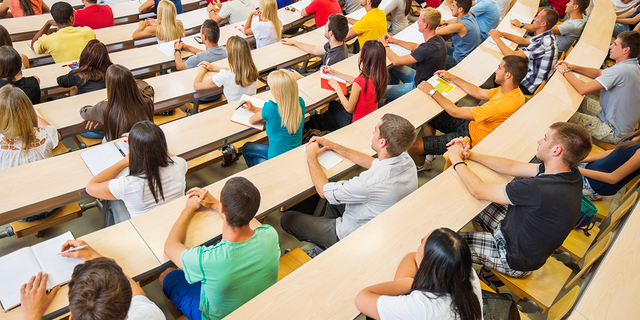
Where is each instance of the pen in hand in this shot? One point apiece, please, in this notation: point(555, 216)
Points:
point(73, 249)
point(240, 106)
point(121, 152)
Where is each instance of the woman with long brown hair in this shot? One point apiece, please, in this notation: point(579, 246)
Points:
point(241, 77)
point(5, 40)
point(11, 73)
point(128, 101)
point(605, 173)
point(154, 177)
point(367, 90)
point(91, 72)
point(435, 282)
point(21, 8)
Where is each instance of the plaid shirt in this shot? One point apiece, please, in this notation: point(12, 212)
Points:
point(542, 54)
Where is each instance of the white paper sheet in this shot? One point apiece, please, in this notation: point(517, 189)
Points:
point(167, 48)
point(242, 116)
point(328, 159)
point(104, 157)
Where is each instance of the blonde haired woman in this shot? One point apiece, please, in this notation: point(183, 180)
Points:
point(268, 28)
point(166, 28)
point(284, 119)
point(24, 136)
point(240, 79)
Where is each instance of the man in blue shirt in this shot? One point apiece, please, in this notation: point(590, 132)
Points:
point(464, 31)
point(487, 15)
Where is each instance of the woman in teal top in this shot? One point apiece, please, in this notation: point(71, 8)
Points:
point(284, 119)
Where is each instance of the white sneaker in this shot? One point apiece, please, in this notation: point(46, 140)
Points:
point(428, 163)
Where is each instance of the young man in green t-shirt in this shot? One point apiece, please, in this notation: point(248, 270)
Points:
point(215, 280)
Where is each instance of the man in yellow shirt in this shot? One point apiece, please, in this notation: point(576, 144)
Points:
point(68, 42)
point(474, 122)
point(373, 24)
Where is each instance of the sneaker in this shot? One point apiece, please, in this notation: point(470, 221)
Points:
point(485, 275)
point(429, 161)
point(314, 252)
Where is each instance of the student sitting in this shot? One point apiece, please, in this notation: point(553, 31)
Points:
point(154, 177)
point(241, 77)
point(284, 119)
point(605, 173)
point(67, 42)
point(91, 72)
point(335, 50)
point(570, 30)
point(367, 90)
point(22, 8)
point(94, 15)
point(233, 10)
point(429, 56)
point(24, 136)
point(11, 73)
point(487, 15)
point(153, 5)
point(5, 40)
point(352, 203)
point(529, 218)
point(474, 122)
point(617, 112)
point(541, 51)
point(322, 9)
point(268, 28)
point(435, 282)
point(216, 280)
point(127, 103)
point(372, 26)
point(98, 289)
point(464, 31)
point(166, 28)
point(398, 10)
point(210, 34)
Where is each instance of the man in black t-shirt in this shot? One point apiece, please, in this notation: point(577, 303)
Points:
point(529, 218)
point(429, 57)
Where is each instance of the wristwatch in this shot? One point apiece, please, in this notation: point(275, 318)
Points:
point(565, 70)
point(432, 92)
point(209, 10)
point(176, 50)
point(522, 24)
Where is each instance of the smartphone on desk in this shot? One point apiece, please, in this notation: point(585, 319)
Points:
point(198, 39)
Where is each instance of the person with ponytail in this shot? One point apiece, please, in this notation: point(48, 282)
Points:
point(22, 8)
point(268, 28)
point(166, 28)
point(605, 173)
point(284, 119)
point(154, 176)
point(436, 282)
point(367, 90)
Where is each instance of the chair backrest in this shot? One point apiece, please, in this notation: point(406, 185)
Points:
point(564, 305)
point(631, 186)
point(571, 47)
point(540, 87)
point(291, 261)
point(612, 220)
point(592, 255)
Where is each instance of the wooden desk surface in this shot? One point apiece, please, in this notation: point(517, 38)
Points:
point(613, 291)
point(120, 242)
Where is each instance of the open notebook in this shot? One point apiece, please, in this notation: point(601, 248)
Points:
point(104, 156)
point(17, 268)
point(324, 82)
point(242, 116)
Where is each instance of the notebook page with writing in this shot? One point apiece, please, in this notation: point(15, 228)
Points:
point(58, 268)
point(16, 269)
point(242, 116)
point(104, 156)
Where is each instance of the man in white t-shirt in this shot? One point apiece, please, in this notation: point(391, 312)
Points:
point(99, 279)
point(234, 10)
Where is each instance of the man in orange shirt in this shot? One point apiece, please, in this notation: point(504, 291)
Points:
point(474, 122)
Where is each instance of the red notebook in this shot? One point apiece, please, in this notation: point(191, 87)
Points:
point(324, 82)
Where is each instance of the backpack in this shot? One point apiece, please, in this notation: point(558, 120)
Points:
point(587, 216)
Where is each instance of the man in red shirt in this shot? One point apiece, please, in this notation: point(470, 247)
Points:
point(94, 16)
point(322, 10)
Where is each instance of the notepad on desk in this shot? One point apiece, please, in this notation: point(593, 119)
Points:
point(520, 18)
point(324, 82)
point(300, 5)
point(328, 159)
point(100, 158)
point(493, 43)
point(19, 266)
point(242, 116)
point(443, 86)
point(167, 48)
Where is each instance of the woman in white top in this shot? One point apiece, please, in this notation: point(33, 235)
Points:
point(154, 176)
point(399, 10)
point(166, 28)
point(241, 78)
point(268, 28)
point(24, 136)
point(436, 282)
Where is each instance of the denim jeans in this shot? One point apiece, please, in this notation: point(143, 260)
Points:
point(93, 134)
point(451, 61)
point(116, 212)
point(397, 75)
point(255, 153)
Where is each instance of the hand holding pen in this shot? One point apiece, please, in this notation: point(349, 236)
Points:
point(79, 249)
point(248, 106)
